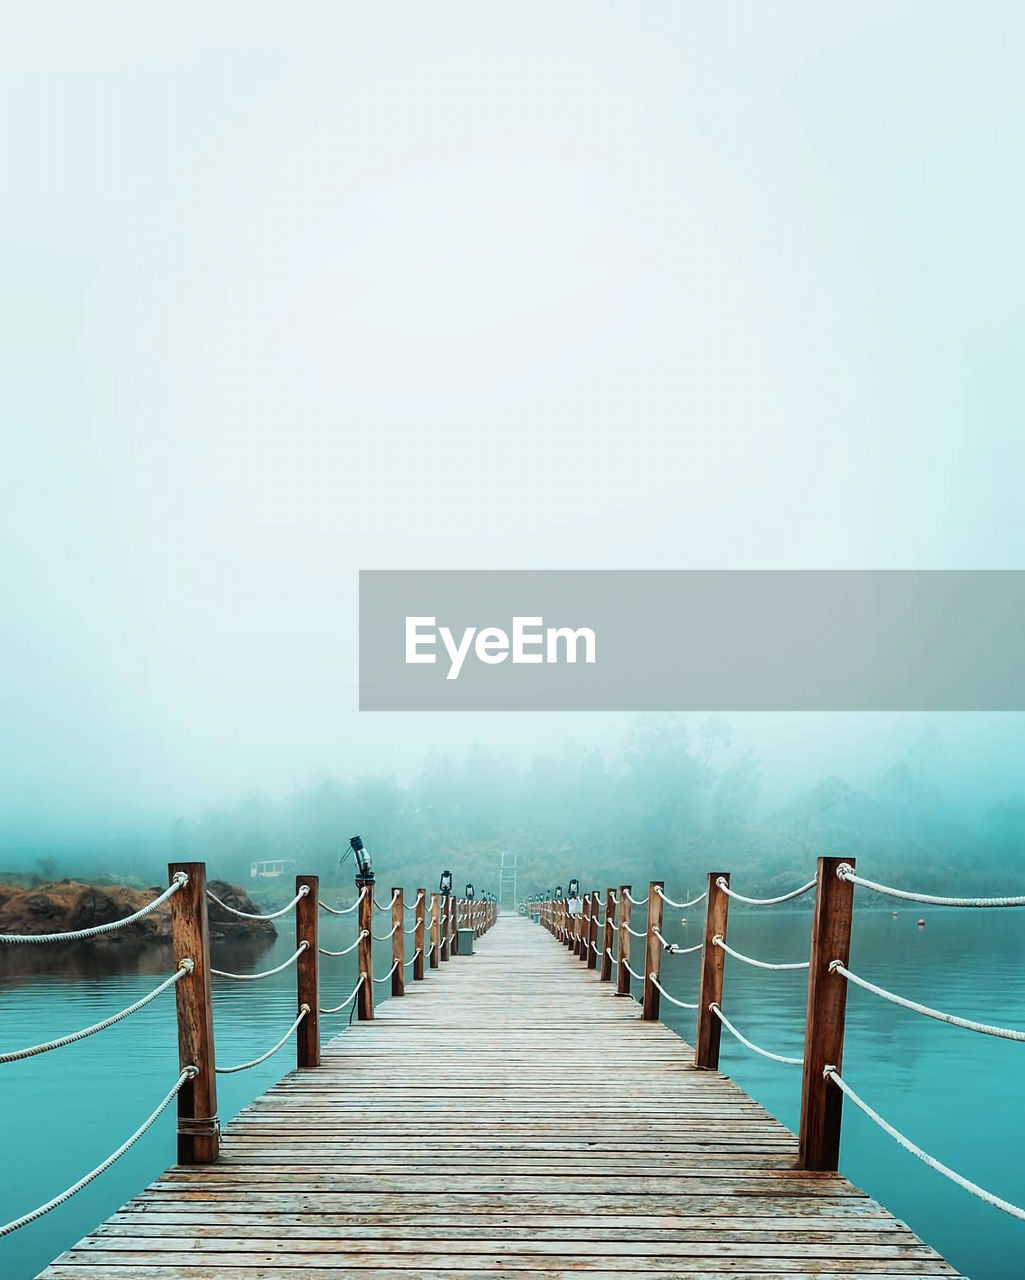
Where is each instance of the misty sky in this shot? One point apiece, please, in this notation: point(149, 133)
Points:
point(295, 290)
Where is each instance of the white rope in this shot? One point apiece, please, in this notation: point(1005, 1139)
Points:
point(409, 962)
point(633, 973)
point(16, 1055)
point(984, 1028)
point(673, 949)
point(718, 941)
point(416, 925)
point(389, 973)
point(267, 973)
point(349, 998)
point(846, 872)
point(383, 937)
point(365, 933)
point(659, 987)
point(345, 910)
point(430, 951)
point(388, 905)
point(670, 903)
point(244, 1066)
point(188, 1073)
point(595, 948)
point(643, 933)
point(249, 915)
point(419, 898)
point(988, 1197)
point(180, 878)
point(776, 1057)
point(763, 902)
point(638, 902)
point(608, 952)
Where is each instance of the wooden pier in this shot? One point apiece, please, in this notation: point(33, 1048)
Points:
point(512, 1114)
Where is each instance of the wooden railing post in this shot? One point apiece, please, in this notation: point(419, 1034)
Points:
point(420, 936)
point(706, 1050)
point(606, 942)
point(570, 925)
point(592, 932)
point(199, 1130)
point(435, 931)
point(623, 973)
point(398, 944)
point(822, 1101)
point(652, 952)
point(446, 899)
point(365, 950)
point(457, 915)
point(583, 927)
point(307, 971)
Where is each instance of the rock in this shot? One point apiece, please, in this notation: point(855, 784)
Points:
point(69, 905)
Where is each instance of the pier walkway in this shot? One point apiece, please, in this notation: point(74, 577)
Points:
point(510, 1115)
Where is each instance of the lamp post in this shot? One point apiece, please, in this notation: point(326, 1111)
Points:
point(365, 914)
point(445, 889)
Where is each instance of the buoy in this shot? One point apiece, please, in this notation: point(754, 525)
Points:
point(684, 920)
point(921, 924)
point(895, 915)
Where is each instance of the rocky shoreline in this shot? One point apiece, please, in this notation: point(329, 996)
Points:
point(69, 905)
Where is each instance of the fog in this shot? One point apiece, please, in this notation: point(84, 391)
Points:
point(403, 286)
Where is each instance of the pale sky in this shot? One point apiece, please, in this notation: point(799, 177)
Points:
point(293, 291)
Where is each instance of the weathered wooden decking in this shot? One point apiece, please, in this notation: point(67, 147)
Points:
point(510, 1113)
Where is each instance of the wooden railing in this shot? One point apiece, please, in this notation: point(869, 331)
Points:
point(589, 936)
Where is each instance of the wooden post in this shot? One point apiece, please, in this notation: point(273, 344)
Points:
point(199, 1131)
point(822, 1101)
point(623, 975)
point(592, 933)
point(652, 952)
point(398, 944)
point(420, 936)
point(456, 916)
point(445, 900)
point(365, 950)
point(706, 1051)
point(307, 971)
point(606, 942)
point(570, 925)
point(435, 931)
point(583, 927)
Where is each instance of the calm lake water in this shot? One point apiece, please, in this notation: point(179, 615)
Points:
point(956, 1093)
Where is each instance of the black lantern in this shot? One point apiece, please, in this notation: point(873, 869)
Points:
point(574, 888)
point(469, 892)
point(363, 863)
point(446, 883)
point(558, 891)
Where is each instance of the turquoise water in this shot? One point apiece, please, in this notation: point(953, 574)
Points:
point(955, 1093)
point(65, 1111)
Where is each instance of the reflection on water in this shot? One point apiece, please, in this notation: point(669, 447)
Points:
point(68, 1109)
point(952, 1091)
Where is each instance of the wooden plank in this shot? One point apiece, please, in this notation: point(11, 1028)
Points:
point(564, 1135)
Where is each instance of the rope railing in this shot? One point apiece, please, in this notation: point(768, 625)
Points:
point(266, 973)
point(365, 933)
point(766, 1053)
point(244, 1066)
point(188, 1073)
point(846, 872)
point(969, 1024)
point(673, 948)
point(386, 906)
point(250, 915)
point(416, 925)
point(719, 941)
point(94, 931)
point(383, 937)
point(17, 1055)
point(764, 902)
point(633, 972)
point(413, 959)
point(637, 902)
point(389, 973)
point(348, 999)
point(672, 999)
point(997, 1202)
point(637, 933)
point(693, 902)
point(343, 911)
